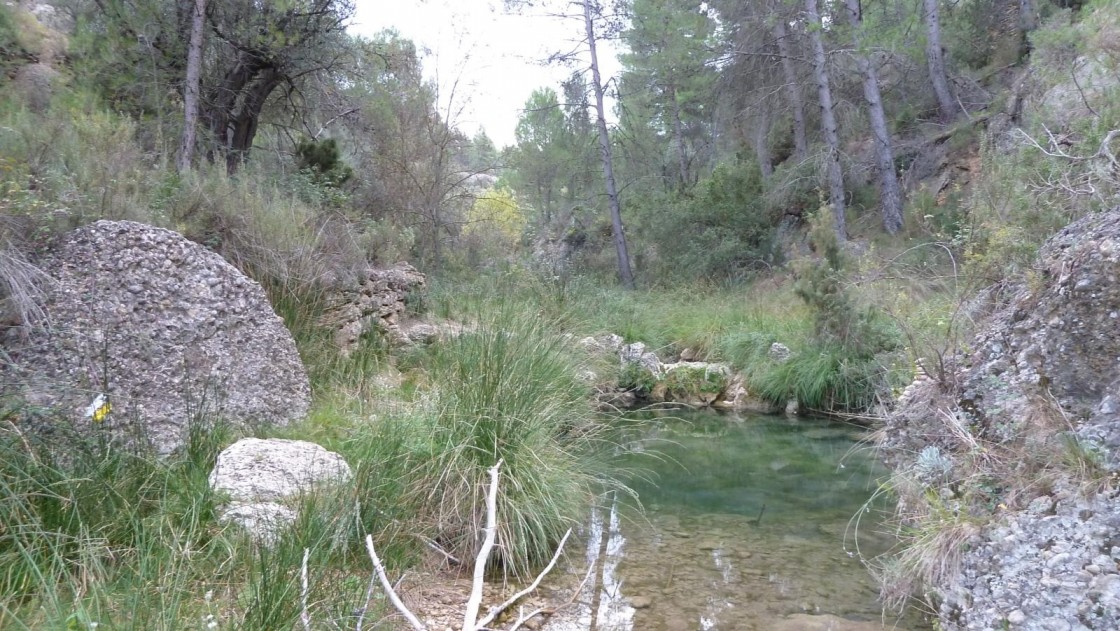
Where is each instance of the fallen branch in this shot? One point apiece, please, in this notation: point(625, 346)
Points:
point(523, 618)
point(304, 616)
point(388, 587)
point(450, 557)
point(475, 600)
point(495, 611)
point(471, 621)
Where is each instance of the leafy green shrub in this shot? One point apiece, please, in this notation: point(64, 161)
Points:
point(723, 231)
point(839, 369)
point(793, 189)
point(323, 159)
point(634, 377)
point(840, 319)
point(980, 33)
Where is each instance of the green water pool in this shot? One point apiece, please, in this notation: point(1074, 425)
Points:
point(747, 522)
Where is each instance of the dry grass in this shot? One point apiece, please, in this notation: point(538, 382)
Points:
point(21, 287)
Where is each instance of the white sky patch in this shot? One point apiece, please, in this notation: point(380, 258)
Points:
point(486, 62)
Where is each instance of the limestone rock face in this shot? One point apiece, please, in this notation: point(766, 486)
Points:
point(163, 330)
point(1054, 568)
point(378, 303)
point(636, 354)
point(261, 476)
point(1059, 340)
point(1045, 369)
point(644, 378)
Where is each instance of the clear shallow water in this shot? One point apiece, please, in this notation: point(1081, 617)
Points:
point(747, 525)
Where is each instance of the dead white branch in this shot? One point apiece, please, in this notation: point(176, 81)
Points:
point(388, 587)
point(523, 618)
point(1056, 151)
point(495, 611)
point(471, 621)
point(304, 616)
point(475, 600)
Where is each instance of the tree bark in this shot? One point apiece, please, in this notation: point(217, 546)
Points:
point(678, 132)
point(935, 59)
point(1028, 21)
point(890, 197)
point(793, 88)
point(761, 144)
point(828, 121)
point(190, 94)
point(1028, 16)
point(233, 109)
point(624, 272)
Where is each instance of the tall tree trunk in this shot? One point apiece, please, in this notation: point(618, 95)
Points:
point(935, 59)
point(1028, 15)
point(793, 88)
point(1028, 21)
point(890, 197)
point(678, 133)
point(624, 272)
point(761, 142)
point(828, 121)
point(190, 94)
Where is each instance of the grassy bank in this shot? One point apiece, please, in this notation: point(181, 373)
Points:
point(100, 537)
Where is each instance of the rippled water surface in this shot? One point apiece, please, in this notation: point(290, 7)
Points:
point(748, 524)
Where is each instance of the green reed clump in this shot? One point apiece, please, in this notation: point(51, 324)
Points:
point(96, 529)
point(510, 391)
point(826, 378)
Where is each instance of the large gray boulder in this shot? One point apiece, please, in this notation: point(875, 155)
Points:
point(260, 481)
point(164, 330)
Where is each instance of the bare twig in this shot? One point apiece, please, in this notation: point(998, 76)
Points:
point(475, 600)
point(365, 607)
point(323, 128)
point(388, 587)
point(1104, 151)
point(494, 611)
point(525, 617)
point(304, 616)
point(450, 557)
point(1081, 91)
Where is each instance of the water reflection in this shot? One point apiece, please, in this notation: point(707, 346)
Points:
point(744, 528)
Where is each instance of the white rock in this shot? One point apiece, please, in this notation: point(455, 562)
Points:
point(265, 520)
point(259, 475)
point(256, 470)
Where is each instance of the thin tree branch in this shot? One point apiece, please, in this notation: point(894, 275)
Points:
point(388, 587)
point(494, 611)
point(475, 600)
point(304, 616)
point(326, 124)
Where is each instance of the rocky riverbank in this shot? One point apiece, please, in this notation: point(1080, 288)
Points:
point(1007, 463)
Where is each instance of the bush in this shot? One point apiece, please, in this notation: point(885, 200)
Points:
point(840, 320)
point(508, 390)
point(722, 232)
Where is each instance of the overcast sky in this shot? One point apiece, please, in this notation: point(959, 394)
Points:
point(485, 61)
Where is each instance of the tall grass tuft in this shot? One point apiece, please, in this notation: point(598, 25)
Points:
point(508, 391)
point(102, 530)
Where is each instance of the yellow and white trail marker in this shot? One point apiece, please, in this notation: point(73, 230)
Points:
point(99, 409)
